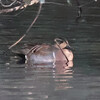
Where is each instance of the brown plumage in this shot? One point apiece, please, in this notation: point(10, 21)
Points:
point(46, 53)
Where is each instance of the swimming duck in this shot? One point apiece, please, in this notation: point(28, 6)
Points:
point(46, 53)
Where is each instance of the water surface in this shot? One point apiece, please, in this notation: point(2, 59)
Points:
point(80, 82)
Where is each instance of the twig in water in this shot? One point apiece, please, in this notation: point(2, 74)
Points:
point(40, 7)
point(88, 3)
point(22, 5)
point(55, 3)
point(56, 40)
point(38, 13)
point(80, 8)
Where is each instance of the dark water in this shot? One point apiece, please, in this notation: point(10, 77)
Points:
point(80, 82)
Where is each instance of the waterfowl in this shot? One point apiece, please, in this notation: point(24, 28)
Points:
point(46, 53)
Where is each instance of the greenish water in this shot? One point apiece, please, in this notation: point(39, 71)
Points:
point(80, 82)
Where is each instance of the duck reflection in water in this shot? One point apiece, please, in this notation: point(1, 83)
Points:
point(45, 54)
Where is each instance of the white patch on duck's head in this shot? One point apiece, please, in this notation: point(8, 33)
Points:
point(61, 43)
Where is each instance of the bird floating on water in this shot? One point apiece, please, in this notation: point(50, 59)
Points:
point(46, 53)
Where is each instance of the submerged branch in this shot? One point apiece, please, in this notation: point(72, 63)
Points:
point(20, 39)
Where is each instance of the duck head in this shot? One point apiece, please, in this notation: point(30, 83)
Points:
point(61, 43)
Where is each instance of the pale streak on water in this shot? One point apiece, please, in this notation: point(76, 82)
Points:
point(80, 82)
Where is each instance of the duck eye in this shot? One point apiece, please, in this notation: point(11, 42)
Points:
point(60, 41)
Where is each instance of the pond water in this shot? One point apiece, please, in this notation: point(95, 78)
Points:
point(80, 82)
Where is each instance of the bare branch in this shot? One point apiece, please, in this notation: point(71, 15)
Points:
point(7, 5)
point(15, 8)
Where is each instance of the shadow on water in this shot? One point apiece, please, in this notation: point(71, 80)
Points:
point(80, 82)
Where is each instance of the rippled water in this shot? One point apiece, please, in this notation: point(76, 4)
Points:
point(80, 82)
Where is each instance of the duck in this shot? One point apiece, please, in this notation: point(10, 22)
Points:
point(47, 53)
